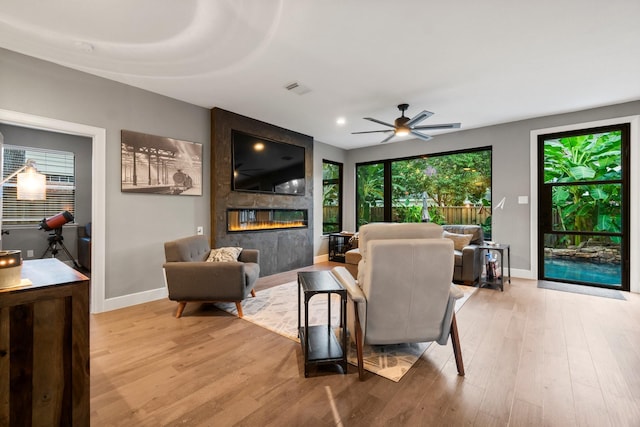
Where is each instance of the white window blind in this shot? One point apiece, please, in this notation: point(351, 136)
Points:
point(59, 168)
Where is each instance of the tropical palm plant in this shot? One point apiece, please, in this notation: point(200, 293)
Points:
point(585, 174)
point(370, 190)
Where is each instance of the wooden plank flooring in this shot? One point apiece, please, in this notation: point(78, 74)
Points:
point(533, 357)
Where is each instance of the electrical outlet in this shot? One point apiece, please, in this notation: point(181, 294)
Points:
point(200, 230)
point(30, 253)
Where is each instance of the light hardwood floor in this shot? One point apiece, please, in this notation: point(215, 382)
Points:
point(532, 357)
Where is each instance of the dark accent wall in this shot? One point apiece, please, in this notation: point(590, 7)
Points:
point(280, 250)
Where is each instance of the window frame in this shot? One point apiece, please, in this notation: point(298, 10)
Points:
point(44, 208)
point(545, 189)
point(340, 182)
point(388, 181)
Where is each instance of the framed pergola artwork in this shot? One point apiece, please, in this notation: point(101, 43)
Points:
point(160, 165)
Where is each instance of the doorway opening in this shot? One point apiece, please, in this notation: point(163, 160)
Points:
point(98, 139)
point(584, 206)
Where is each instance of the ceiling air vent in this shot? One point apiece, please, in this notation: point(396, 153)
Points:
point(296, 87)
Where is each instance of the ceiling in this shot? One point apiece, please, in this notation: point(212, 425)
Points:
point(475, 62)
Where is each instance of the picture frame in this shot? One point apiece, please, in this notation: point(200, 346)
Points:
point(153, 164)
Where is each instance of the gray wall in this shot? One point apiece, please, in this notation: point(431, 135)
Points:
point(27, 238)
point(137, 225)
point(511, 168)
point(326, 152)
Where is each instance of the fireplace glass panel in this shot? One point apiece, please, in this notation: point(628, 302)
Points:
point(242, 220)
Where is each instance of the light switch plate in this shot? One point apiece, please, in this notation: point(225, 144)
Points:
point(523, 200)
point(200, 230)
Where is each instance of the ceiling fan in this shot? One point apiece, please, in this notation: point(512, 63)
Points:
point(404, 125)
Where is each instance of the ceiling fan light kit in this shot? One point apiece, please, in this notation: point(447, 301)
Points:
point(404, 126)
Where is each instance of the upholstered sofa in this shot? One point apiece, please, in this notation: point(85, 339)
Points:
point(468, 258)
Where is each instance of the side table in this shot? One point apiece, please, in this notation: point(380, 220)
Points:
point(499, 248)
point(319, 342)
point(338, 246)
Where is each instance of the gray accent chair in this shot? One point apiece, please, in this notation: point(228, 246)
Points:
point(190, 278)
point(404, 292)
point(468, 261)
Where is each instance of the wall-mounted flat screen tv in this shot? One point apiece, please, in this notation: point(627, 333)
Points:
point(267, 166)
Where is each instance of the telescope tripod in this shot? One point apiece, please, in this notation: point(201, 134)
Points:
point(56, 240)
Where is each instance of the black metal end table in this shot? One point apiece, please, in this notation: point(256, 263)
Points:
point(338, 246)
point(496, 281)
point(320, 344)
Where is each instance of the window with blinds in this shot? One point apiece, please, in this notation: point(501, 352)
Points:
point(59, 168)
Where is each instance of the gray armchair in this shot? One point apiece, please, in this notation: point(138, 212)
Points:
point(468, 259)
point(404, 292)
point(190, 278)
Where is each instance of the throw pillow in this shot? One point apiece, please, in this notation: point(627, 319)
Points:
point(227, 254)
point(459, 240)
point(353, 241)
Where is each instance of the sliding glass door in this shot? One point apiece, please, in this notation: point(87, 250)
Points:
point(444, 188)
point(584, 207)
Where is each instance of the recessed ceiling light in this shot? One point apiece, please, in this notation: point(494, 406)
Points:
point(341, 121)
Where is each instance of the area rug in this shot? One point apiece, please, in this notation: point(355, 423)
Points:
point(276, 309)
point(580, 289)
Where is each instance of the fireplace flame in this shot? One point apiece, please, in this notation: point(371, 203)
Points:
point(266, 225)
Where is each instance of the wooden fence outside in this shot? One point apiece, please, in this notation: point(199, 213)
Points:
point(464, 214)
point(451, 214)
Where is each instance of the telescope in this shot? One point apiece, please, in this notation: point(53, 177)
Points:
point(56, 221)
point(55, 239)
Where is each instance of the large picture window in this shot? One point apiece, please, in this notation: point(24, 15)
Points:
point(445, 188)
point(331, 197)
point(59, 168)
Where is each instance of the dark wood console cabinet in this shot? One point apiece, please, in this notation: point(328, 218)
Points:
point(44, 348)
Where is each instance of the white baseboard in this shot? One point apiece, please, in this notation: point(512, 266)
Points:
point(522, 274)
point(321, 258)
point(156, 294)
point(134, 299)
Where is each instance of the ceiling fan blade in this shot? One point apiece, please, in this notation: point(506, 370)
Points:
point(379, 122)
point(440, 126)
point(419, 117)
point(421, 135)
point(388, 138)
point(372, 131)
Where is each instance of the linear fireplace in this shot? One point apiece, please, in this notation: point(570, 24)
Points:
point(280, 226)
point(246, 220)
